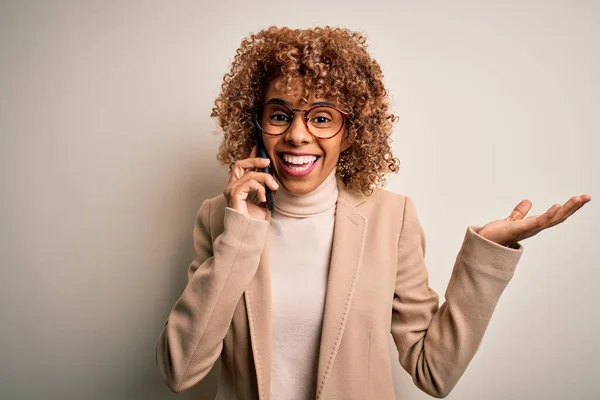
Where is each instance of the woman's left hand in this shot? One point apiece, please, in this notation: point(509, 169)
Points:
point(515, 227)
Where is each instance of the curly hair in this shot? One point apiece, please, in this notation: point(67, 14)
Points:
point(331, 63)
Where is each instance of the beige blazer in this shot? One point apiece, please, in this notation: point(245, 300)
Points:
point(378, 283)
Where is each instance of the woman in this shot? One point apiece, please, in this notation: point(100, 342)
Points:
point(299, 302)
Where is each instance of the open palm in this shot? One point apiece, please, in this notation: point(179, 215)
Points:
point(516, 227)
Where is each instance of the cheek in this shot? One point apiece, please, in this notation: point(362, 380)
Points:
point(332, 150)
point(270, 142)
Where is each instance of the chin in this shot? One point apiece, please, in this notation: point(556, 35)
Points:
point(299, 187)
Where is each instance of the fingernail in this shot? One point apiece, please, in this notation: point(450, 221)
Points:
point(275, 184)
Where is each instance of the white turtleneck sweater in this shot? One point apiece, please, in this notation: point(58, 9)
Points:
point(300, 237)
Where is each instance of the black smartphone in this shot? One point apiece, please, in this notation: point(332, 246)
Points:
point(263, 154)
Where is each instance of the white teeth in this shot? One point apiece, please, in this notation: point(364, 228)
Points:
point(300, 168)
point(298, 160)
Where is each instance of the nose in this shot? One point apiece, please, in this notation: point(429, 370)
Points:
point(298, 134)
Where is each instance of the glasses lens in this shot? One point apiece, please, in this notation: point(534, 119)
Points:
point(324, 122)
point(274, 118)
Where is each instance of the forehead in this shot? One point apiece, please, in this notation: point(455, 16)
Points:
point(276, 90)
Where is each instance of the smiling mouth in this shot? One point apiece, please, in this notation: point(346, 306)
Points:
point(297, 165)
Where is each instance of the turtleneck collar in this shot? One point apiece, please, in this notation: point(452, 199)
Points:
point(321, 199)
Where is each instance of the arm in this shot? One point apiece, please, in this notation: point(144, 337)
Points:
point(192, 338)
point(436, 344)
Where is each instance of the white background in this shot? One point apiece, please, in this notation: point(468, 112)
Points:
point(108, 150)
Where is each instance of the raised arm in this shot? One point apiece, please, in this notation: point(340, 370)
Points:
point(192, 338)
point(436, 344)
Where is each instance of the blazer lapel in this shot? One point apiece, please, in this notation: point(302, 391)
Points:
point(346, 254)
point(258, 307)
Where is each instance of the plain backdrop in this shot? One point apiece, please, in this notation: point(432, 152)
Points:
point(108, 150)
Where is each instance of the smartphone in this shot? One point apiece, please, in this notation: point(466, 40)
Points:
point(263, 154)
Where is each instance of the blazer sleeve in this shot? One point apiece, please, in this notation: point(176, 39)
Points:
point(192, 338)
point(436, 343)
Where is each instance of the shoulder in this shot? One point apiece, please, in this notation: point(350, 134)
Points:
point(387, 215)
point(384, 196)
point(384, 202)
point(380, 203)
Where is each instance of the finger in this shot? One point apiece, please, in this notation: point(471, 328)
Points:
point(241, 167)
point(520, 210)
point(256, 162)
point(536, 223)
point(261, 177)
point(253, 185)
point(240, 191)
point(569, 208)
point(586, 198)
point(254, 152)
point(236, 172)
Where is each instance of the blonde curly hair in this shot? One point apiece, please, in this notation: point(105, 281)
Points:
point(331, 63)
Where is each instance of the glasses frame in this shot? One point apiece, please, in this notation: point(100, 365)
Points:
point(345, 115)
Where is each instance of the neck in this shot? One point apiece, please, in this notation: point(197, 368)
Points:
point(321, 199)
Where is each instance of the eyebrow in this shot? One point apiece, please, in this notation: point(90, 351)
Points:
point(282, 101)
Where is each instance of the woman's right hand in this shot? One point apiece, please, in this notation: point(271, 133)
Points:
point(243, 179)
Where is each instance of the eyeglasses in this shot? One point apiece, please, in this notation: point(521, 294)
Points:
point(322, 120)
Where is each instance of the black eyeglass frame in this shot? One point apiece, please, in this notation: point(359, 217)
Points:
point(345, 116)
